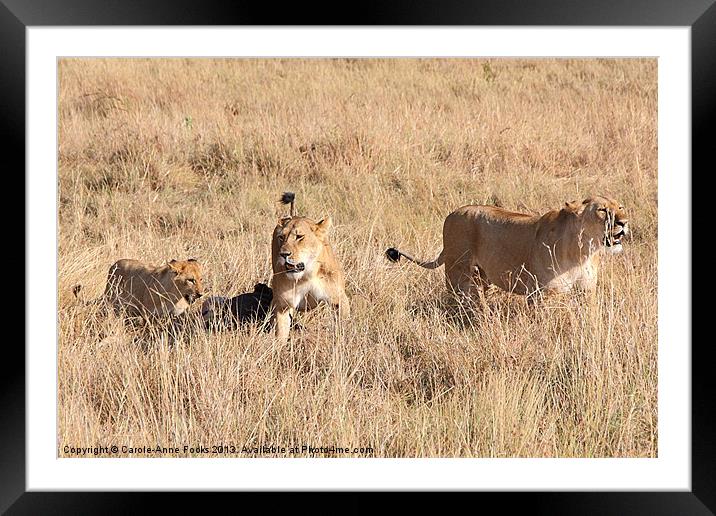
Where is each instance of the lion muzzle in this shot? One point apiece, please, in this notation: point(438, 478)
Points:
point(292, 266)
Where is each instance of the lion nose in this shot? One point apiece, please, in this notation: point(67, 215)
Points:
point(285, 254)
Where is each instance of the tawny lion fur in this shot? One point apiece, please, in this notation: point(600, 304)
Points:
point(141, 290)
point(527, 254)
point(305, 270)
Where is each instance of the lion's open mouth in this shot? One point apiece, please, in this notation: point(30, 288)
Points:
point(615, 239)
point(292, 267)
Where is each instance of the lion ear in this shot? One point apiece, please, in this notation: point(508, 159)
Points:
point(574, 207)
point(323, 225)
point(173, 265)
point(283, 220)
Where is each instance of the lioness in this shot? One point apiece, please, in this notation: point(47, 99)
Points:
point(142, 290)
point(527, 254)
point(305, 270)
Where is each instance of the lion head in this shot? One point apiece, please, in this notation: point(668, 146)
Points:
point(297, 243)
point(186, 277)
point(604, 223)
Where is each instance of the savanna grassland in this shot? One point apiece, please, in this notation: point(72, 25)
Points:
point(178, 158)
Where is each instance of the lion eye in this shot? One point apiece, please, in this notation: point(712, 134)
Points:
point(190, 280)
point(602, 209)
point(299, 237)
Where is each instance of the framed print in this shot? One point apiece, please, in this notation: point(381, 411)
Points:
point(228, 230)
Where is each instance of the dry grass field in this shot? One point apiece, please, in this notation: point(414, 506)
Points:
point(162, 159)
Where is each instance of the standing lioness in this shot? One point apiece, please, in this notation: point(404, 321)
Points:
point(305, 270)
point(525, 254)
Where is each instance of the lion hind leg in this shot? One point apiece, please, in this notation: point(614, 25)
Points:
point(458, 278)
point(479, 284)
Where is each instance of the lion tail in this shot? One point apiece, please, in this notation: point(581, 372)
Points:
point(289, 198)
point(394, 255)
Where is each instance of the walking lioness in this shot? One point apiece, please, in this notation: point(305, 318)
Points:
point(527, 254)
point(305, 270)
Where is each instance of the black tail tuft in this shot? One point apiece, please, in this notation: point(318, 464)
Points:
point(288, 197)
point(393, 254)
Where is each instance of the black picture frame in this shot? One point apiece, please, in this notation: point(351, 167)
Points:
point(700, 15)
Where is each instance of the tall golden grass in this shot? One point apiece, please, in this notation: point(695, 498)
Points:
point(172, 158)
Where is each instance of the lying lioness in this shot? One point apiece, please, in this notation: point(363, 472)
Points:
point(148, 291)
point(527, 254)
point(305, 270)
